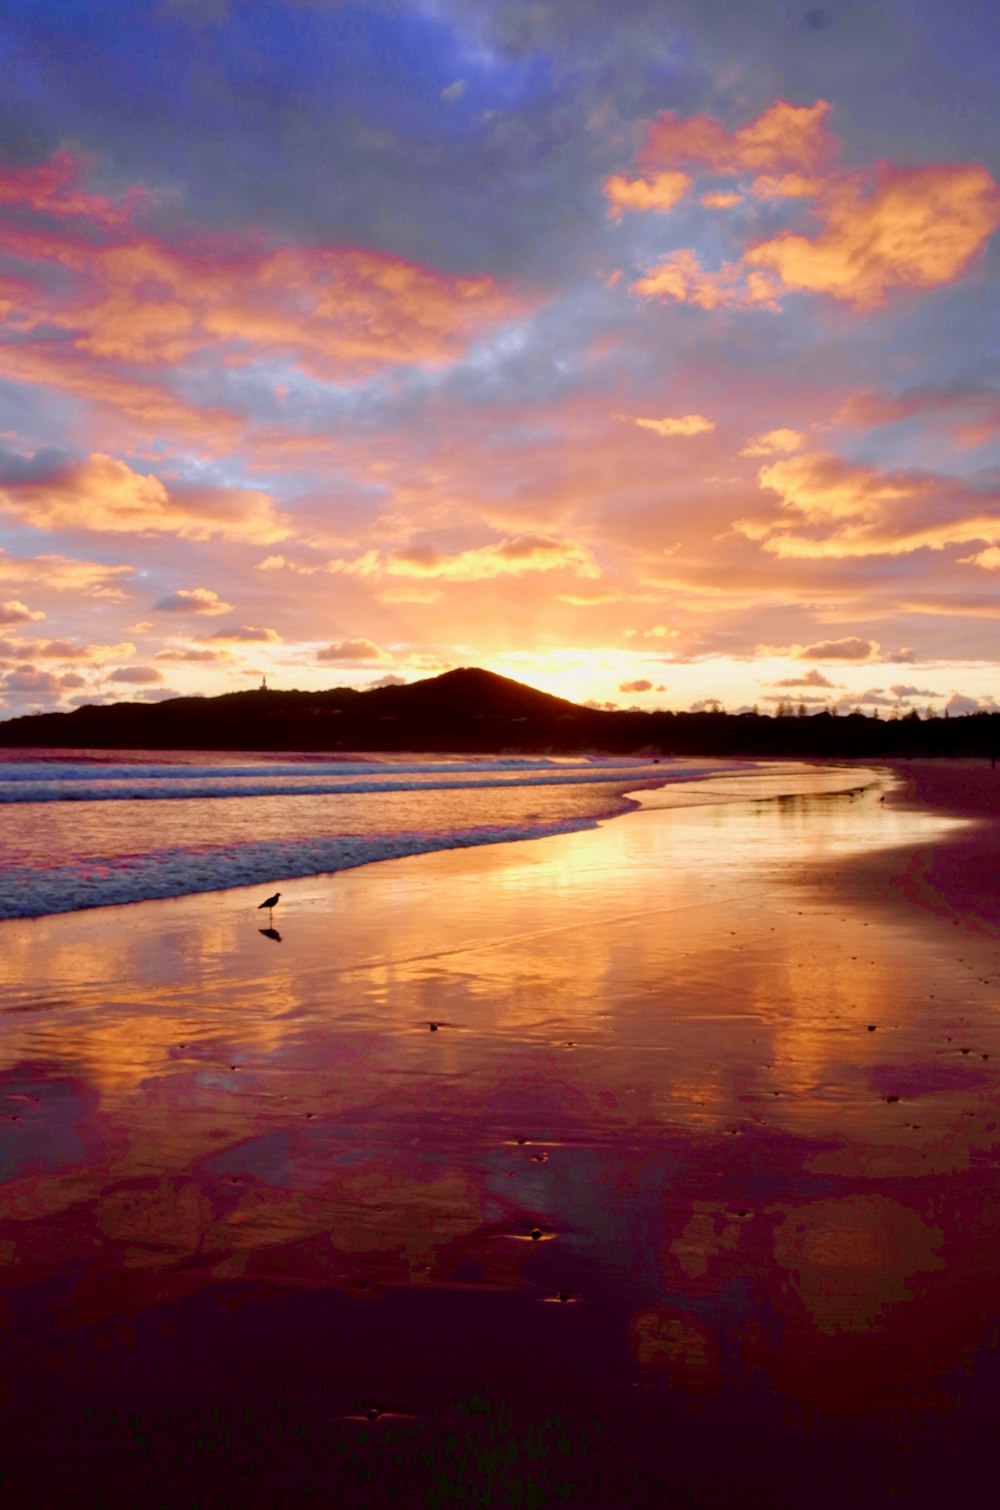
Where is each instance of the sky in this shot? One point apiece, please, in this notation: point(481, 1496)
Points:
point(646, 353)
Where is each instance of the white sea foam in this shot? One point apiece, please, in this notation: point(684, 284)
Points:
point(161, 873)
point(80, 833)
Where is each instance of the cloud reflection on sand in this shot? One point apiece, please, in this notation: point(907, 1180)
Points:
point(724, 1164)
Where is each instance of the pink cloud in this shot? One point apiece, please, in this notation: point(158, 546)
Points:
point(131, 298)
point(53, 188)
point(139, 676)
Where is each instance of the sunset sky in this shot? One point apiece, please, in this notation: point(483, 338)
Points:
point(644, 352)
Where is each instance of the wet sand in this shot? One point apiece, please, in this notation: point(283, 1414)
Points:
point(651, 1165)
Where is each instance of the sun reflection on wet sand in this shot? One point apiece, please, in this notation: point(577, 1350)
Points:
point(744, 1126)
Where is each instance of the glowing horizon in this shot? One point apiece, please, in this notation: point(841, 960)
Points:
point(646, 360)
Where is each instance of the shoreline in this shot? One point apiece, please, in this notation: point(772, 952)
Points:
point(683, 783)
point(953, 880)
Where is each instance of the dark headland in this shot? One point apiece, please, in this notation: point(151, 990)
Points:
point(477, 712)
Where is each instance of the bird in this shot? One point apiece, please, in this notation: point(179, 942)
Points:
point(270, 902)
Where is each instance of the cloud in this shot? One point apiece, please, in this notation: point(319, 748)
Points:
point(686, 424)
point(915, 228)
point(200, 600)
point(247, 634)
point(104, 495)
point(988, 559)
point(127, 296)
point(642, 684)
point(782, 137)
point(198, 656)
point(139, 676)
point(361, 652)
point(660, 192)
point(681, 279)
point(52, 188)
point(71, 650)
point(874, 230)
point(773, 442)
point(511, 557)
point(452, 92)
point(16, 612)
point(858, 510)
point(811, 679)
point(903, 689)
point(850, 648)
point(61, 573)
point(29, 680)
point(389, 680)
point(959, 704)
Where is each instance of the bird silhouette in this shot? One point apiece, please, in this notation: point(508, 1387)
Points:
point(270, 902)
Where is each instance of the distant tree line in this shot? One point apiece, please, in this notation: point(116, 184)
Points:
point(475, 712)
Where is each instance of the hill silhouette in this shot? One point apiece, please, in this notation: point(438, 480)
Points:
point(471, 711)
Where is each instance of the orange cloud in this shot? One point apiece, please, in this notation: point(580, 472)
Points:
point(687, 424)
point(70, 650)
point(877, 229)
point(850, 648)
point(361, 652)
point(523, 553)
point(139, 676)
point(988, 559)
point(16, 612)
point(783, 136)
point(773, 442)
point(247, 634)
point(720, 201)
point(859, 511)
point(138, 300)
point(680, 278)
point(193, 600)
point(660, 192)
point(199, 656)
point(104, 495)
point(918, 227)
point(93, 578)
point(811, 678)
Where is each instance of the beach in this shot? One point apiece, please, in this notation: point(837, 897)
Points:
point(653, 1162)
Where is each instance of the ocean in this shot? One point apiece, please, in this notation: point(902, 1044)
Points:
point(83, 828)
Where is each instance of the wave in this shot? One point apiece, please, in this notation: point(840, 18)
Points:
point(163, 873)
point(205, 786)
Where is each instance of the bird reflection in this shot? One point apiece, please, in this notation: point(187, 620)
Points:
point(270, 933)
